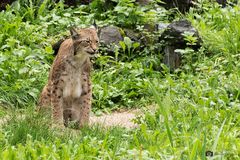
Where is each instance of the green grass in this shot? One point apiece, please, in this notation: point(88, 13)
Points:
point(197, 106)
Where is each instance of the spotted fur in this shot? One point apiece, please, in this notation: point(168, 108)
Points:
point(68, 91)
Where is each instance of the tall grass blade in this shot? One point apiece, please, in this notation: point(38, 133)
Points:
point(194, 150)
point(163, 111)
point(203, 156)
point(217, 136)
point(42, 8)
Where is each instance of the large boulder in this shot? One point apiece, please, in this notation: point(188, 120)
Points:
point(110, 35)
point(173, 34)
point(173, 39)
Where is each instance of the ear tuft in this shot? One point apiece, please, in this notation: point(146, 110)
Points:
point(94, 25)
point(74, 33)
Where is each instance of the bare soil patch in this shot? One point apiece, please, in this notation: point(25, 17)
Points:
point(121, 119)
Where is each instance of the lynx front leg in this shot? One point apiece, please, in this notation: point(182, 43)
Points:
point(82, 108)
point(85, 100)
point(70, 114)
point(57, 103)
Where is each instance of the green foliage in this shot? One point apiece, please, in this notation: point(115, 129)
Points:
point(195, 116)
point(128, 47)
point(26, 52)
point(220, 29)
point(23, 53)
point(121, 84)
point(126, 13)
point(194, 109)
point(29, 10)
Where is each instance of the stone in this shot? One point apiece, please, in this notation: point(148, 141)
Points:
point(162, 26)
point(173, 35)
point(173, 39)
point(134, 36)
point(110, 35)
point(171, 58)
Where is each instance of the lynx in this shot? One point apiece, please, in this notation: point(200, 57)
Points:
point(68, 90)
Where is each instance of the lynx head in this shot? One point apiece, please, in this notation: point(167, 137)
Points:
point(85, 41)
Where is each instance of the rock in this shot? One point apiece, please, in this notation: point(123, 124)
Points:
point(134, 36)
point(173, 35)
point(162, 26)
point(171, 58)
point(173, 39)
point(110, 35)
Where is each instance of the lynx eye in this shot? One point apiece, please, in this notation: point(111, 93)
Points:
point(85, 41)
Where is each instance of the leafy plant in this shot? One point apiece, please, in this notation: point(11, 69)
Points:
point(29, 10)
point(130, 46)
point(189, 113)
point(120, 84)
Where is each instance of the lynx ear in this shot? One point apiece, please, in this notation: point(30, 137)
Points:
point(74, 33)
point(94, 25)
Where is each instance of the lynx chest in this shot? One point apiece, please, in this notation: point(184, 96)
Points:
point(73, 83)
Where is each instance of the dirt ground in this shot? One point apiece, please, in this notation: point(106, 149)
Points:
point(121, 119)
